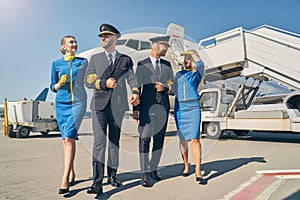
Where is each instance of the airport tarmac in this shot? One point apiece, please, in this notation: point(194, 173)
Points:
point(235, 168)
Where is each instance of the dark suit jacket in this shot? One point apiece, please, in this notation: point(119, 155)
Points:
point(122, 69)
point(146, 78)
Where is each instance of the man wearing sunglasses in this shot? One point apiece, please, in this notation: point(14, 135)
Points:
point(155, 78)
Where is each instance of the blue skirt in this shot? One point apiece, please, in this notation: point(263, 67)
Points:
point(188, 118)
point(69, 116)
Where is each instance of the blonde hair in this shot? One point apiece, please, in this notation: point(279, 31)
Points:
point(192, 51)
point(63, 41)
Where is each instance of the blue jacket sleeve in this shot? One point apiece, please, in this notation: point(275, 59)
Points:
point(54, 77)
point(200, 67)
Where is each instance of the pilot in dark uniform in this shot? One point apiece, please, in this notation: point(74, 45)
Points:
point(155, 78)
point(106, 74)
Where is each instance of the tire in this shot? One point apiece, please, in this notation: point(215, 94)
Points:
point(212, 130)
point(23, 132)
point(44, 132)
point(241, 132)
point(11, 133)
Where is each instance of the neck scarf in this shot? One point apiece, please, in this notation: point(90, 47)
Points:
point(69, 58)
point(188, 69)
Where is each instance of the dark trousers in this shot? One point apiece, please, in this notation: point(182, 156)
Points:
point(100, 121)
point(152, 125)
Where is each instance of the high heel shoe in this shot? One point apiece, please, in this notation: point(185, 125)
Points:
point(72, 181)
point(185, 174)
point(201, 180)
point(63, 191)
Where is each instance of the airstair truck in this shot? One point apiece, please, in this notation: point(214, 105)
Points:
point(25, 116)
point(261, 54)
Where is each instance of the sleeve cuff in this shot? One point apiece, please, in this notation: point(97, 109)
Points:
point(97, 84)
point(135, 90)
point(169, 86)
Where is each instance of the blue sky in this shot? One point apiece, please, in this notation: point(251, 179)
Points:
point(30, 30)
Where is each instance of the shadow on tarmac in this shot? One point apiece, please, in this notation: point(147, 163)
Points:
point(76, 191)
point(264, 137)
point(170, 133)
point(294, 196)
point(220, 167)
point(212, 170)
point(36, 135)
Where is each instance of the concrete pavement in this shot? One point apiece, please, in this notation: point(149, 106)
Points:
point(31, 168)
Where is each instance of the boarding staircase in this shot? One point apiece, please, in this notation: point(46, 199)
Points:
point(264, 53)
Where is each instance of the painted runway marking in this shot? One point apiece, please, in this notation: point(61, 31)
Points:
point(242, 187)
point(262, 185)
point(283, 174)
point(253, 190)
point(266, 194)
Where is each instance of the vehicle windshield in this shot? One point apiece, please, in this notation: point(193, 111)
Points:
point(208, 101)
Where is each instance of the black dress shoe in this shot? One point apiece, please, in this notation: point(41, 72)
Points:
point(63, 191)
point(113, 181)
point(145, 180)
point(96, 188)
point(155, 175)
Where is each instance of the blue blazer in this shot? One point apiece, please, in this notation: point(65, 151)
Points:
point(187, 82)
point(75, 69)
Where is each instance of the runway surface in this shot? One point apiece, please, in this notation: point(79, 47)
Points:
point(257, 166)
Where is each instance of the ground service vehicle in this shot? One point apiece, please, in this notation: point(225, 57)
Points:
point(21, 117)
point(264, 53)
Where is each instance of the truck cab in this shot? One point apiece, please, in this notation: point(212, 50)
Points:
point(214, 104)
point(215, 101)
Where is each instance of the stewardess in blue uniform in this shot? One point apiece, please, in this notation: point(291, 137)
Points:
point(67, 81)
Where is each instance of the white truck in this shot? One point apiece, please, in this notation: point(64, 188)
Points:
point(37, 115)
point(264, 53)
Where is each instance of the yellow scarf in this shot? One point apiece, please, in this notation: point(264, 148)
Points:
point(69, 58)
point(188, 69)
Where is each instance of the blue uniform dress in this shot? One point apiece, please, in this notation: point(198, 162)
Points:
point(70, 100)
point(187, 107)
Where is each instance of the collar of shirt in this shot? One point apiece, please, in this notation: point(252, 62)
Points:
point(153, 60)
point(113, 55)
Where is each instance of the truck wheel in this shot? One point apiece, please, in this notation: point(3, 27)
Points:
point(212, 130)
point(23, 132)
point(241, 132)
point(44, 132)
point(11, 133)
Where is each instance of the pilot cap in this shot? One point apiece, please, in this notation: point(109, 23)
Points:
point(108, 29)
point(161, 39)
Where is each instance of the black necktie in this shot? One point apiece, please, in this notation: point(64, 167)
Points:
point(110, 61)
point(157, 71)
